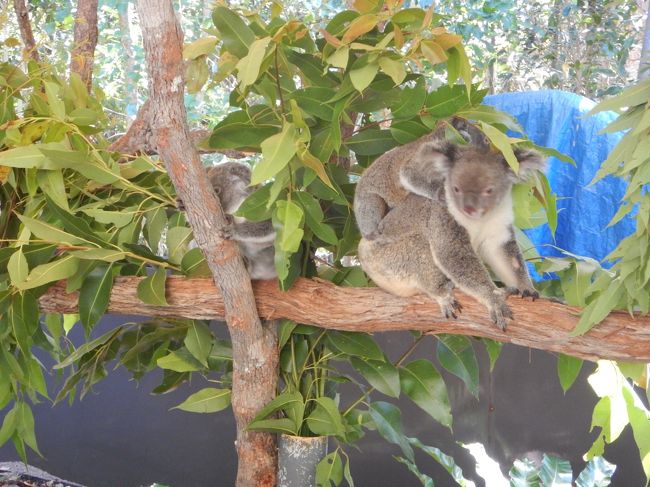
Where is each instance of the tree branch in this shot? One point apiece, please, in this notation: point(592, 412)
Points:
point(85, 41)
point(542, 324)
point(138, 138)
point(255, 353)
point(26, 29)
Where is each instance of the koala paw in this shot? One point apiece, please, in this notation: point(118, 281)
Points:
point(450, 307)
point(227, 232)
point(529, 293)
point(500, 312)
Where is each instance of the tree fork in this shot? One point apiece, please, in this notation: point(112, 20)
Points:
point(542, 324)
point(255, 353)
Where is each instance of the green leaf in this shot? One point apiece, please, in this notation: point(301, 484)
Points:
point(279, 426)
point(53, 271)
point(493, 349)
point(388, 420)
point(178, 238)
point(362, 77)
point(151, 290)
point(524, 473)
point(371, 142)
point(17, 267)
point(555, 471)
point(423, 384)
point(87, 347)
point(393, 68)
point(291, 403)
point(248, 67)
point(288, 220)
point(236, 35)
point(383, 376)
point(446, 461)
point(456, 354)
point(180, 360)
point(356, 344)
point(411, 100)
point(568, 369)
point(52, 184)
point(407, 131)
point(630, 97)
point(94, 296)
point(25, 425)
point(329, 471)
point(277, 151)
point(194, 264)
point(106, 255)
point(56, 104)
point(200, 47)
point(198, 341)
point(597, 473)
point(118, 218)
point(208, 400)
point(502, 143)
point(326, 419)
point(9, 425)
point(24, 319)
point(50, 233)
point(314, 217)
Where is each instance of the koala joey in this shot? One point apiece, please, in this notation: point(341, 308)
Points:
point(231, 182)
point(399, 172)
point(431, 245)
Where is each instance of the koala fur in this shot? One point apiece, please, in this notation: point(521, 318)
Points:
point(429, 245)
point(231, 182)
point(399, 172)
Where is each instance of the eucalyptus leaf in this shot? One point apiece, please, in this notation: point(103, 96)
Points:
point(208, 400)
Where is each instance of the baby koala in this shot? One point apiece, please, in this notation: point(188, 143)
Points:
point(431, 244)
point(231, 182)
point(399, 172)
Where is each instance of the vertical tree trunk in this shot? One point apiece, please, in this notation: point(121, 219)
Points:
point(255, 354)
point(85, 41)
point(644, 65)
point(26, 29)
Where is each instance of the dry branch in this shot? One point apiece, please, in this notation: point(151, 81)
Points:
point(542, 324)
point(85, 41)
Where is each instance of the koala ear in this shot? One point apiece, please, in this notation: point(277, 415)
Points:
point(440, 154)
point(241, 170)
point(529, 161)
point(470, 132)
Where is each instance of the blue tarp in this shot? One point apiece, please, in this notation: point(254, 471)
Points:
point(557, 119)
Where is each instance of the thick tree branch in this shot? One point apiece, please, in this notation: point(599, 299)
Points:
point(542, 324)
point(255, 354)
point(26, 29)
point(85, 41)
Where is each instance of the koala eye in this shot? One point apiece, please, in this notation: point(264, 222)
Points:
point(456, 190)
point(489, 191)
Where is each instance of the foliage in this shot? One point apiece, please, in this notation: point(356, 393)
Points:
point(557, 472)
point(582, 47)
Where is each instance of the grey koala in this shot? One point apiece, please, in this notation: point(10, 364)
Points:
point(399, 172)
point(231, 182)
point(429, 245)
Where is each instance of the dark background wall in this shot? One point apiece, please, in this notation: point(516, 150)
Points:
point(122, 436)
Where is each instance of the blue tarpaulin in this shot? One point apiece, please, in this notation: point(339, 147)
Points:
point(557, 119)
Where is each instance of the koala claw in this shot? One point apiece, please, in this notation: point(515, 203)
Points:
point(500, 313)
point(450, 307)
point(227, 232)
point(525, 293)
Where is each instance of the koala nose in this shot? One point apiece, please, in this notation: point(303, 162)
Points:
point(470, 210)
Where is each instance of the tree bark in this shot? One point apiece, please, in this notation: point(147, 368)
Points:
point(542, 324)
point(255, 354)
point(26, 29)
point(85, 41)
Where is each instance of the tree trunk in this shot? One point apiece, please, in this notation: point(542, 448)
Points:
point(644, 64)
point(542, 324)
point(85, 41)
point(26, 29)
point(255, 354)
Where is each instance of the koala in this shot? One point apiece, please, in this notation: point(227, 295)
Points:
point(231, 182)
point(399, 172)
point(431, 245)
